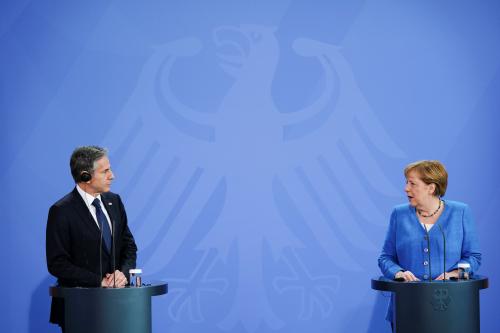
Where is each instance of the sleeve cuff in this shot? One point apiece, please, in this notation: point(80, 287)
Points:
point(393, 270)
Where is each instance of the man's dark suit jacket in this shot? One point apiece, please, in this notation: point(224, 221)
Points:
point(72, 245)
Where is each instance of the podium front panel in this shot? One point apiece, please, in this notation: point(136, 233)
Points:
point(438, 307)
point(435, 306)
point(96, 310)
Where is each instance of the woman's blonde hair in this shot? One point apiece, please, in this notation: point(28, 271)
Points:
point(430, 172)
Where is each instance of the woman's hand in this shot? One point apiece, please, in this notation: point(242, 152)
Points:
point(449, 275)
point(407, 275)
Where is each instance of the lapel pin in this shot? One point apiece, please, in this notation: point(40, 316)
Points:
point(110, 203)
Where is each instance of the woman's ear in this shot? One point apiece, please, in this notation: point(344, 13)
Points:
point(432, 188)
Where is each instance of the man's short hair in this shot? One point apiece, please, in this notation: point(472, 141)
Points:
point(83, 160)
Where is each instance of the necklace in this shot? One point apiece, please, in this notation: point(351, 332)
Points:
point(430, 215)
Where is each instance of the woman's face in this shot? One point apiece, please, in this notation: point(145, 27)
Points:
point(417, 191)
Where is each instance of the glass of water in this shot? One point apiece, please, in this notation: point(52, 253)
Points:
point(464, 270)
point(135, 277)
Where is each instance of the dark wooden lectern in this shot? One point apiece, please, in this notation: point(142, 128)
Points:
point(435, 306)
point(105, 310)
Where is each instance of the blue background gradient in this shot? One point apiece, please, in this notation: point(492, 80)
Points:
point(258, 146)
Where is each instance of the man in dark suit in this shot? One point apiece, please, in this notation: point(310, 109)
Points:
point(87, 235)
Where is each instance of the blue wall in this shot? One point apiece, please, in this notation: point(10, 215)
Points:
point(258, 146)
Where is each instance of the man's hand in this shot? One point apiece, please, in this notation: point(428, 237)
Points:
point(118, 280)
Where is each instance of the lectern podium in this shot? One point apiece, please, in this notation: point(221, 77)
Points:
point(105, 310)
point(435, 306)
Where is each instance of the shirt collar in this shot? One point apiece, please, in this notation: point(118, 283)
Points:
point(87, 198)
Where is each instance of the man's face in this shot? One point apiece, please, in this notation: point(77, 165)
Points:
point(101, 177)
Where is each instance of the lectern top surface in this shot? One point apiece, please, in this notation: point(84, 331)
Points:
point(153, 289)
point(385, 284)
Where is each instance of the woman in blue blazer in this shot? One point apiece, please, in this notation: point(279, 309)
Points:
point(414, 245)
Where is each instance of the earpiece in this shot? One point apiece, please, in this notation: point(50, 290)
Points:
point(85, 176)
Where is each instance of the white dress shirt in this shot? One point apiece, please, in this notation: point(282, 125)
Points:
point(88, 199)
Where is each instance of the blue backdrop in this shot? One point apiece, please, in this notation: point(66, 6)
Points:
point(258, 146)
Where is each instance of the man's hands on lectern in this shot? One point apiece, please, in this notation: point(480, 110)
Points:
point(118, 280)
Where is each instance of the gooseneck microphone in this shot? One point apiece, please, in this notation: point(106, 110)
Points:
point(444, 253)
point(84, 175)
point(113, 248)
point(100, 258)
point(105, 220)
point(112, 241)
point(429, 251)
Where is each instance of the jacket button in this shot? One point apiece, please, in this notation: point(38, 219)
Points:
point(426, 250)
point(426, 276)
point(426, 263)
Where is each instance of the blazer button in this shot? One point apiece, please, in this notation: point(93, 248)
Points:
point(426, 250)
point(426, 276)
point(426, 263)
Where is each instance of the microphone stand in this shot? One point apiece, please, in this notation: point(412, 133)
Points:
point(100, 259)
point(444, 253)
point(429, 253)
point(112, 246)
point(113, 249)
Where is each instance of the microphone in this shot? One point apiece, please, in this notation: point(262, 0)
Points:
point(429, 253)
point(444, 253)
point(100, 258)
point(113, 249)
point(112, 242)
point(100, 235)
point(85, 173)
point(85, 176)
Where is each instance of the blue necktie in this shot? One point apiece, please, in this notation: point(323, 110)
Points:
point(103, 223)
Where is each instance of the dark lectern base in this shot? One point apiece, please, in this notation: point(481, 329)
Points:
point(436, 306)
point(96, 310)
